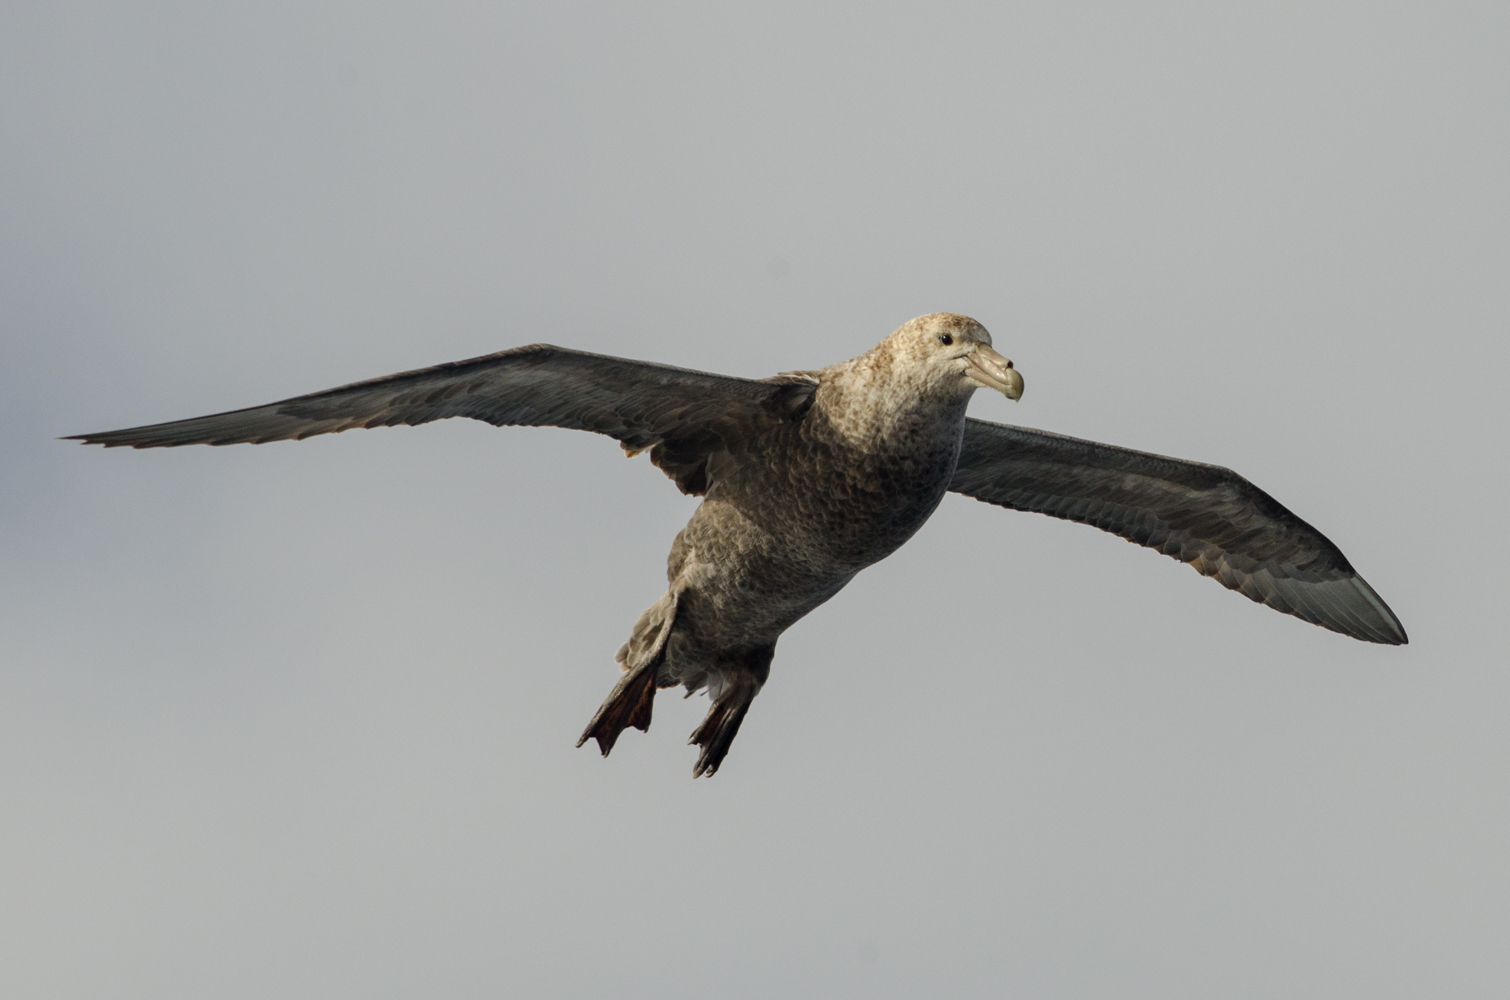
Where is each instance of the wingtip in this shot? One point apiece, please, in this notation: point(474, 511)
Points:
point(1390, 626)
point(1346, 605)
point(103, 440)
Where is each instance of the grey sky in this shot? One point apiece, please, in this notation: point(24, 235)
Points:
point(297, 721)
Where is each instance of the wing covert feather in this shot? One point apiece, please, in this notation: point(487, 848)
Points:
point(1203, 515)
point(680, 414)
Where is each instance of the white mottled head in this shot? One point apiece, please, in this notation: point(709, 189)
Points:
point(948, 356)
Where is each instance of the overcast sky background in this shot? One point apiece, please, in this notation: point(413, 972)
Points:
point(298, 720)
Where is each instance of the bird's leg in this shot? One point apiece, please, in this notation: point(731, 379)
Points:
point(738, 688)
point(630, 701)
point(719, 727)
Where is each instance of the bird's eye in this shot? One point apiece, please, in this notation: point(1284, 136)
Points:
point(945, 339)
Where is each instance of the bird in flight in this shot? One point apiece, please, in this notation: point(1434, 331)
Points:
point(809, 477)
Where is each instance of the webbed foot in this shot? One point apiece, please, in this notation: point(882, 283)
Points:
point(628, 704)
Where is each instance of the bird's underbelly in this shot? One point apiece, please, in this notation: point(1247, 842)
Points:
point(745, 573)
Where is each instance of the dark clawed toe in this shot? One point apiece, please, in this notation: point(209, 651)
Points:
point(718, 729)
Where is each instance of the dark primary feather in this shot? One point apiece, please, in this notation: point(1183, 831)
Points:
point(1204, 515)
point(683, 416)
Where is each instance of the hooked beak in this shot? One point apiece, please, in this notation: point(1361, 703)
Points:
point(993, 371)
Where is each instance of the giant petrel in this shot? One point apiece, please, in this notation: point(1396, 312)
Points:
point(809, 477)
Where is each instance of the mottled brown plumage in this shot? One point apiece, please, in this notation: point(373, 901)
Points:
point(809, 477)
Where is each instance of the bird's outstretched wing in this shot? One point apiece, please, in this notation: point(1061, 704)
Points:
point(682, 416)
point(1203, 515)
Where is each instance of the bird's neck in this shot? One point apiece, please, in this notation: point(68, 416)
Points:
point(878, 412)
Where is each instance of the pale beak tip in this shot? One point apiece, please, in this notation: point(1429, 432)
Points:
point(1013, 391)
point(989, 369)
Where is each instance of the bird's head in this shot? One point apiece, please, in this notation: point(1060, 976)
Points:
point(951, 355)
